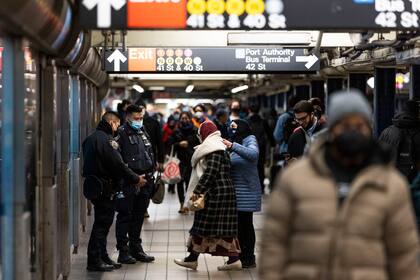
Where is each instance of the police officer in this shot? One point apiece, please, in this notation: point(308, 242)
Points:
point(137, 151)
point(103, 167)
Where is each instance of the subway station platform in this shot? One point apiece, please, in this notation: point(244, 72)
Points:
point(164, 236)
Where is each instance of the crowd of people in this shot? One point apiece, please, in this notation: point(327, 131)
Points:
point(340, 208)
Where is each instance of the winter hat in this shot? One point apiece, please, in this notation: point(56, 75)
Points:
point(345, 103)
point(207, 128)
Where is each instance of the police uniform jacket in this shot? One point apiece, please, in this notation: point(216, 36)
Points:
point(136, 149)
point(102, 159)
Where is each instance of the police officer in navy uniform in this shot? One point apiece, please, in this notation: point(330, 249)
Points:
point(103, 167)
point(137, 151)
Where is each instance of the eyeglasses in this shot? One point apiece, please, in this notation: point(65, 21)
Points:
point(302, 119)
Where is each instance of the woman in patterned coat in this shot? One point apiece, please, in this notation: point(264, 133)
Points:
point(215, 227)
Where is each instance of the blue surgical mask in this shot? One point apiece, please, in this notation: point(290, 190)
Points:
point(137, 125)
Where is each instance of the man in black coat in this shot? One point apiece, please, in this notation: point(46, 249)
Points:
point(137, 151)
point(102, 168)
point(309, 125)
point(264, 135)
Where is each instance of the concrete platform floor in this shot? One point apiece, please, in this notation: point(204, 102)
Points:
point(164, 236)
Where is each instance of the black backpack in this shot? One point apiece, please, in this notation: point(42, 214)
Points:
point(406, 163)
point(289, 127)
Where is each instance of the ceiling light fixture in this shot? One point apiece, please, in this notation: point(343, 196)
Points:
point(239, 89)
point(138, 88)
point(156, 88)
point(189, 88)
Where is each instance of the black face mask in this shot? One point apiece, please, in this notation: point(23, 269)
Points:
point(352, 143)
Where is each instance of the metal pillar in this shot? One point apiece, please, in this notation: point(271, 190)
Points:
point(358, 81)
point(63, 88)
point(318, 90)
point(48, 186)
point(75, 178)
point(15, 221)
point(303, 92)
point(384, 98)
point(415, 82)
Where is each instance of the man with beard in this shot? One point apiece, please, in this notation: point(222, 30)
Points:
point(309, 125)
point(344, 211)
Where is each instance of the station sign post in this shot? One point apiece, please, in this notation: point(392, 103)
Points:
point(250, 14)
point(210, 60)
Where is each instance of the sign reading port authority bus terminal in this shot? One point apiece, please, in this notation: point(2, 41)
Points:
point(210, 60)
point(250, 14)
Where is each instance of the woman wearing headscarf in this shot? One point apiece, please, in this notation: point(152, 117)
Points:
point(244, 154)
point(184, 139)
point(215, 227)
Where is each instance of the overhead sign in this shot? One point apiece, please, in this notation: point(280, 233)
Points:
point(210, 60)
point(250, 14)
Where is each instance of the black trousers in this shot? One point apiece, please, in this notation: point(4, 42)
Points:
point(104, 217)
point(261, 166)
point(130, 218)
point(246, 236)
point(183, 185)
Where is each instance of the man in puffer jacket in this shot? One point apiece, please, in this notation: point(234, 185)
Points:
point(344, 212)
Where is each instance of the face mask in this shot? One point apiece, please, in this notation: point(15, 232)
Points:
point(199, 115)
point(352, 143)
point(176, 116)
point(136, 125)
point(186, 124)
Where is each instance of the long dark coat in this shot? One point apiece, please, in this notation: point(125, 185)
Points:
point(219, 217)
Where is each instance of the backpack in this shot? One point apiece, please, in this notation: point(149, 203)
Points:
point(405, 153)
point(289, 126)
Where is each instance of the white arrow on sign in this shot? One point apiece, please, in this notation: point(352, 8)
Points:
point(310, 60)
point(104, 10)
point(117, 57)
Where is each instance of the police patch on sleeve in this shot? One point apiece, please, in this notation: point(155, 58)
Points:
point(114, 144)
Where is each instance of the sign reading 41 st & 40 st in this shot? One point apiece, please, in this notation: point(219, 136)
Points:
point(250, 14)
point(210, 60)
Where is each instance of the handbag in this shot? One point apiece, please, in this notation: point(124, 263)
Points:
point(159, 193)
point(198, 204)
point(171, 174)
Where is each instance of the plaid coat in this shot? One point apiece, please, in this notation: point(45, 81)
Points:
point(219, 217)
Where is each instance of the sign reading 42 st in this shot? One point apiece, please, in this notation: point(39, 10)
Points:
point(250, 14)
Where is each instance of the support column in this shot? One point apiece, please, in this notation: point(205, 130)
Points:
point(318, 90)
point(47, 225)
point(358, 81)
point(289, 94)
point(14, 220)
point(75, 178)
point(415, 82)
point(303, 92)
point(334, 84)
point(384, 98)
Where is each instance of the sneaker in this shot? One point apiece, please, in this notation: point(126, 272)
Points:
point(230, 267)
point(190, 265)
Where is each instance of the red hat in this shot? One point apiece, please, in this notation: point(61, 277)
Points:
point(207, 128)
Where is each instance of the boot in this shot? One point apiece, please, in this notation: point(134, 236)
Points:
point(138, 253)
point(125, 258)
point(99, 266)
point(106, 259)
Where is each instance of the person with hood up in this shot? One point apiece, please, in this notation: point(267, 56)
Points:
point(184, 140)
point(343, 212)
point(215, 228)
point(244, 157)
point(404, 139)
